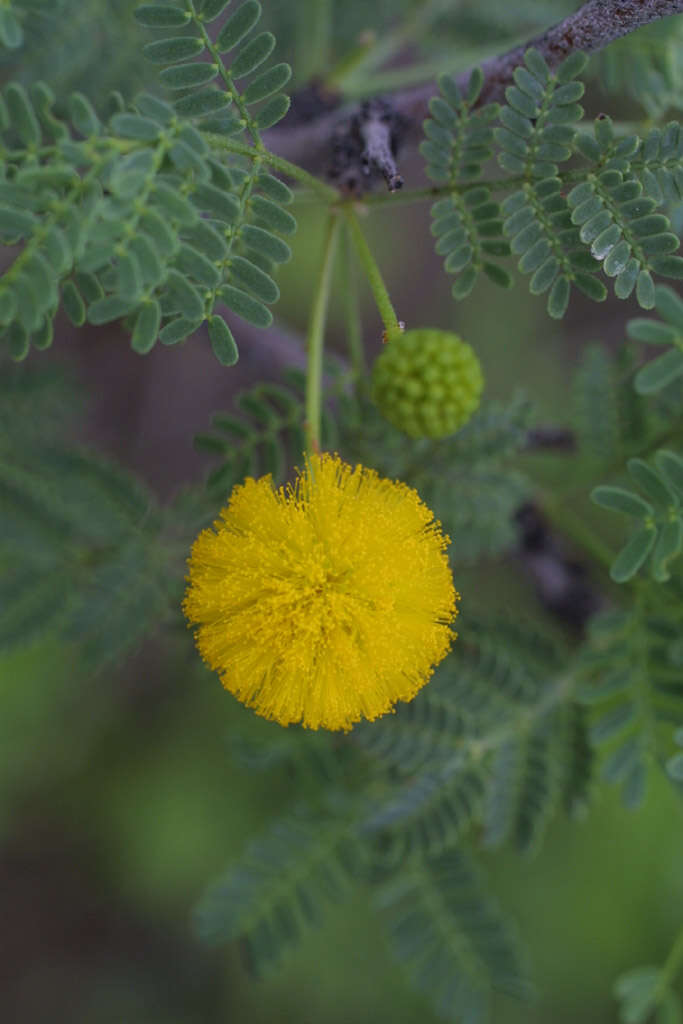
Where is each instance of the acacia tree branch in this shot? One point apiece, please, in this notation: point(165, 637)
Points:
point(596, 24)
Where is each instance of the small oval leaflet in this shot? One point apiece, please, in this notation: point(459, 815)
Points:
point(132, 126)
point(146, 327)
point(210, 9)
point(238, 25)
point(251, 277)
point(273, 215)
point(263, 241)
point(253, 55)
point(268, 83)
point(171, 51)
point(177, 330)
point(158, 16)
point(272, 111)
point(243, 305)
point(222, 341)
point(185, 76)
point(73, 304)
point(111, 307)
point(207, 101)
point(22, 115)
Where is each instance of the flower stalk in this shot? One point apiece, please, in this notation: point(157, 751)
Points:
point(373, 274)
point(315, 337)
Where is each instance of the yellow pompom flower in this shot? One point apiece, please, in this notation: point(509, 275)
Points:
point(323, 602)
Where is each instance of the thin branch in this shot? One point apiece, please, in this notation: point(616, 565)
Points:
point(596, 24)
point(591, 28)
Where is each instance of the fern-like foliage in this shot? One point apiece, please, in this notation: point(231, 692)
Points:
point(271, 897)
point(485, 754)
point(264, 433)
point(634, 691)
point(668, 368)
point(660, 516)
point(565, 225)
point(614, 206)
point(599, 427)
point(110, 62)
point(265, 437)
point(493, 742)
point(448, 932)
point(201, 98)
point(81, 551)
point(466, 224)
point(140, 219)
point(474, 465)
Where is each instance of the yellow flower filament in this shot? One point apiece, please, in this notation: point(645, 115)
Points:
point(324, 602)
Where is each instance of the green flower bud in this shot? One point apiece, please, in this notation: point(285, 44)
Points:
point(427, 382)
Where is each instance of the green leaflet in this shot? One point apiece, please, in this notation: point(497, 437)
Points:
point(660, 516)
point(446, 930)
point(238, 25)
point(222, 341)
point(174, 50)
point(160, 16)
point(660, 372)
point(266, 436)
point(138, 233)
point(281, 886)
point(632, 704)
point(253, 55)
point(562, 236)
point(186, 76)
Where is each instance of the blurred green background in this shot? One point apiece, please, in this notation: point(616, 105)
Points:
point(120, 797)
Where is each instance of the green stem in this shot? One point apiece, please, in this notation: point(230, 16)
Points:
point(315, 338)
point(463, 187)
point(245, 116)
point(354, 331)
point(674, 962)
point(373, 274)
point(325, 192)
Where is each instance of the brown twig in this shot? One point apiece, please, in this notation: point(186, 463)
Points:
point(596, 24)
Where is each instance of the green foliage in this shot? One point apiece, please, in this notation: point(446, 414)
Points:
point(159, 212)
point(467, 223)
point(564, 225)
point(633, 689)
point(265, 436)
point(492, 742)
point(674, 765)
point(492, 747)
point(276, 892)
point(643, 991)
point(58, 28)
point(667, 368)
point(207, 100)
point(11, 32)
point(141, 219)
point(467, 479)
point(80, 551)
point(449, 934)
point(597, 411)
point(659, 515)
